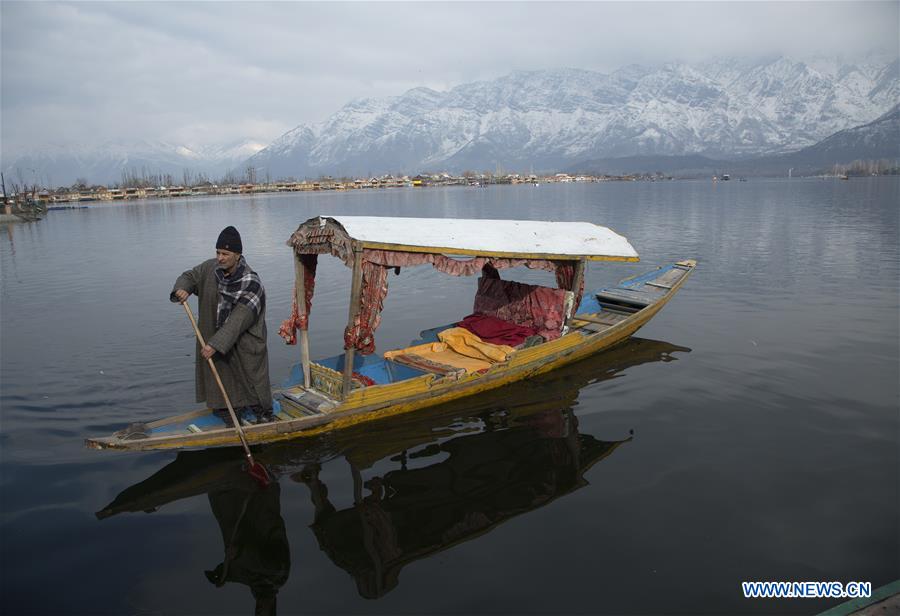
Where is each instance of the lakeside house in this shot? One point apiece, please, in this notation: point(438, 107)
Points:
point(388, 181)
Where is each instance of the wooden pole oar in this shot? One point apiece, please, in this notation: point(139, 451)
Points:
point(256, 470)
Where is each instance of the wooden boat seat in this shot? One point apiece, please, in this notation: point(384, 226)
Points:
point(424, 365)
point(301, 403)
point(375, 367)
point(659, 281)
point(630, 296)
point(597, 322)
point(636, 293)
point(626, 297)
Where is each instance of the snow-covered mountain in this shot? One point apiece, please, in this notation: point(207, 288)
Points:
point(553, 119)
point(63, 165)
point(877, 140)
point(543, 120)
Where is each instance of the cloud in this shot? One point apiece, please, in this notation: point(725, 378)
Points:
point(211, 72)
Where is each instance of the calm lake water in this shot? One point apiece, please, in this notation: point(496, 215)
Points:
point(749, 432)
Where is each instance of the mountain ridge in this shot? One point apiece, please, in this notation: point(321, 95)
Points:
point(874, 141)
point(724, 110)
point(550, 119)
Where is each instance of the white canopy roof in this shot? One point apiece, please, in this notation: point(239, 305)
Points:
point(511, 238)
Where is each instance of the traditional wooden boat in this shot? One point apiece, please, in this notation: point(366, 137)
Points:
point(419, 484)
point(516, 330)
point(419, 435)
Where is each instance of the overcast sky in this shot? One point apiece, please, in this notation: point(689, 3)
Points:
point(213, 72)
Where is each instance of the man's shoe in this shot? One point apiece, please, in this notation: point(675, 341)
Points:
point(225, 416)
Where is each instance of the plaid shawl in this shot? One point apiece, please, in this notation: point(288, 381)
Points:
point(242, 287)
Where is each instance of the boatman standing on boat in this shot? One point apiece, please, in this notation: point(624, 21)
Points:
point(232, 319)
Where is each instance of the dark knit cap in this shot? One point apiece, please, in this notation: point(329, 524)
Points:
point(230, 239)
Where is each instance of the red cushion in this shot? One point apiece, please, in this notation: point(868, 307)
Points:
point(496, 331)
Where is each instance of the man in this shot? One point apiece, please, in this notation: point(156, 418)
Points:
point(232, 319)
point(257, 552)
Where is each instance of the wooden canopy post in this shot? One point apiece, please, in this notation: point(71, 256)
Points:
point(300, 285)
point(577, 279)
point(355, 291)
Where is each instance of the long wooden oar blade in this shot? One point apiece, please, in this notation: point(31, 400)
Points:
point(259, 474)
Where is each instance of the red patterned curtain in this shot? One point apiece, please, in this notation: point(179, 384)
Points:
point(565, 279)
point(540, 308)
point(360, 335)
point(298, 321)
point(449, 265)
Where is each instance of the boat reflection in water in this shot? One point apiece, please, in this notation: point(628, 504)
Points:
point(493, 457)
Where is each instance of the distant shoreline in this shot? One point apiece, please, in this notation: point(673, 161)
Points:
point(83, 199)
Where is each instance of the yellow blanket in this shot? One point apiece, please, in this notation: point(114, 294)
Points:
point(458, 348)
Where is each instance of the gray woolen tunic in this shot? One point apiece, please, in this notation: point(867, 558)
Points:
point(241, 358)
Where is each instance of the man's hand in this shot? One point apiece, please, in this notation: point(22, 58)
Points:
point(182, 295)
point(207, 351)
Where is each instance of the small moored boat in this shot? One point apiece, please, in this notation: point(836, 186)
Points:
point(515, 331)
